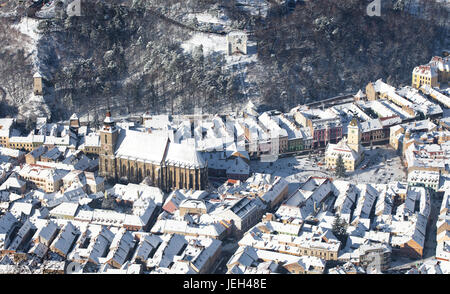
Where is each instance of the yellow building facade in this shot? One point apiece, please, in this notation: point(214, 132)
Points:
point(350, 149)
point(436, 73)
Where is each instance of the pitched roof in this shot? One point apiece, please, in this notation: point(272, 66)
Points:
point(139, 145)
point(184, 154)
point(65, 208)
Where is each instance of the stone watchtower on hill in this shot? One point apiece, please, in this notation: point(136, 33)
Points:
point(37, 84)
point(74, 122)
point(237, 43)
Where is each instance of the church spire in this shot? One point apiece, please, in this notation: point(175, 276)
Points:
point(109, 121)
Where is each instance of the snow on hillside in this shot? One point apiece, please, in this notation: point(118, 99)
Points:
point(205, 17)
point(251, 56)
point(47, 11)
point(29, 28)
point(211, 43)
point(255, 7)
point(35, 106)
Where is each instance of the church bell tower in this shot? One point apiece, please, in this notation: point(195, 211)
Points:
point(108, 135)
point(108, 138)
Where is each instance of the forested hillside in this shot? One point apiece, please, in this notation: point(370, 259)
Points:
point(131, 56)
point(326, 47)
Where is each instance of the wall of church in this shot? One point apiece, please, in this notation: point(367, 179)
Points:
point(169, 177)
point(166, 177)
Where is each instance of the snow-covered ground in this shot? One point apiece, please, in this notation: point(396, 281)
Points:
point(211, 43)
point(215, 44)
point(385, 167)
point(402, 261)
point(7, 14)
point(250, 57)
point(205, 17)
point(295, 169)
point(28, 27)
point(35, 106)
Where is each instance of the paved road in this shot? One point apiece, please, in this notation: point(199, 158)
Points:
point(430, 238)
point(228, 249)
point(410, 264)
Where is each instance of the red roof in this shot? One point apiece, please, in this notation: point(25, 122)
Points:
point(231, 181)
point(170, 207)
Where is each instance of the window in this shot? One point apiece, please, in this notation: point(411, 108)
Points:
point(191, 180)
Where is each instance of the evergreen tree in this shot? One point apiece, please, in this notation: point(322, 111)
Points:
point(339, 229)
point(29, 125)
point(340, 167)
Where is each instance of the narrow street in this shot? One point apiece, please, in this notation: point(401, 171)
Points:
point(429, 251)
point(430, 237)
point(228, 249)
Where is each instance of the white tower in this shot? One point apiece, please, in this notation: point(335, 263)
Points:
point(237, 43)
